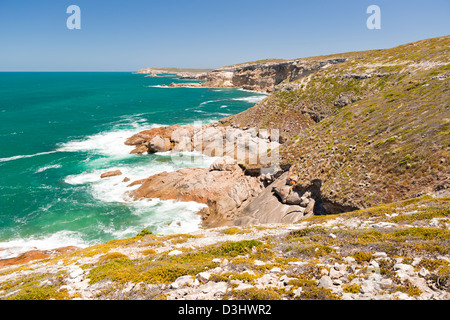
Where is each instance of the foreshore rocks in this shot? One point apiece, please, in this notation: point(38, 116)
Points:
point(110, 174)
point(223, 188)
point(33, 255)
point(243, 186)
point(246, 146)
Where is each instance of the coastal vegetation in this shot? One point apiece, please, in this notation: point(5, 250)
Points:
point(385, 252)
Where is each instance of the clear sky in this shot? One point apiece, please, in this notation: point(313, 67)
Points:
point(127, 35)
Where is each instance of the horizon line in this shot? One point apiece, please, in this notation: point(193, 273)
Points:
point(68, 70)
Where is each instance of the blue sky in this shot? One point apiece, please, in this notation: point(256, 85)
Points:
point(128, 35)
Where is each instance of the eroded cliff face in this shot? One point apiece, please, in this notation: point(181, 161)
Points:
point(265, 76)
point(182, 73)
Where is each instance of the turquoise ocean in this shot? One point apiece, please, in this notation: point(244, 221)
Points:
point(60, 130)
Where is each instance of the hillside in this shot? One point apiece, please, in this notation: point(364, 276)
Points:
point(373, 129)
point(398, 251)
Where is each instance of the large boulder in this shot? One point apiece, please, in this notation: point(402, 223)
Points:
point(224, 192)
point(142, 139)
point(110, 174)
point(159, 144)
point(224, 164)
point(267, 207)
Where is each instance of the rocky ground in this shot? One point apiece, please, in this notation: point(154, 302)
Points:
point(396, 251)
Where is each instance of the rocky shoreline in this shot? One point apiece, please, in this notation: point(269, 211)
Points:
point(336, 186)
point(246, 185)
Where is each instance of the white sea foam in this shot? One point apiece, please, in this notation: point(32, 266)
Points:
point(251, 99)
point(106, 143)
point(252, 91)
point(210, 101)
point(158, 86)
point(109, 143)
point(161, 216)
point(25, 156)
point(15, 247)
point(53, 166)
point(170, 216)
point(195, 109)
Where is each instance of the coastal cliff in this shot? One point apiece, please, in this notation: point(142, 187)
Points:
point(357, 129)
point(357, 207)
point(373, 129)
point(265, 76)
point(258, 76)
point(182, 73)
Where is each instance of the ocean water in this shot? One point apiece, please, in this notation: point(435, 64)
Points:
point(60, 131)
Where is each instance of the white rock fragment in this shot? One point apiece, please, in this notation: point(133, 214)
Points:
point(275, 270)
point(349, 260)
point(424, 272)
point(175, 253)
point(325, 282)
point(380, 254)
point(203, 276)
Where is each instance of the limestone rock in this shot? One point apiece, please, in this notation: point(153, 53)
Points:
point(325, 282)
point(203, 276)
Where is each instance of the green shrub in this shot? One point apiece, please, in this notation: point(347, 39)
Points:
point(256, 294)
point(352, 288)
point(144, 232)
point(362, 256)
point(233, 249)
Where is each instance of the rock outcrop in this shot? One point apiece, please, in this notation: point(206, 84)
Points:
point(265, 76)
point(223, 188)
point(182, 73)
point(258, 76)
point(246, 146)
